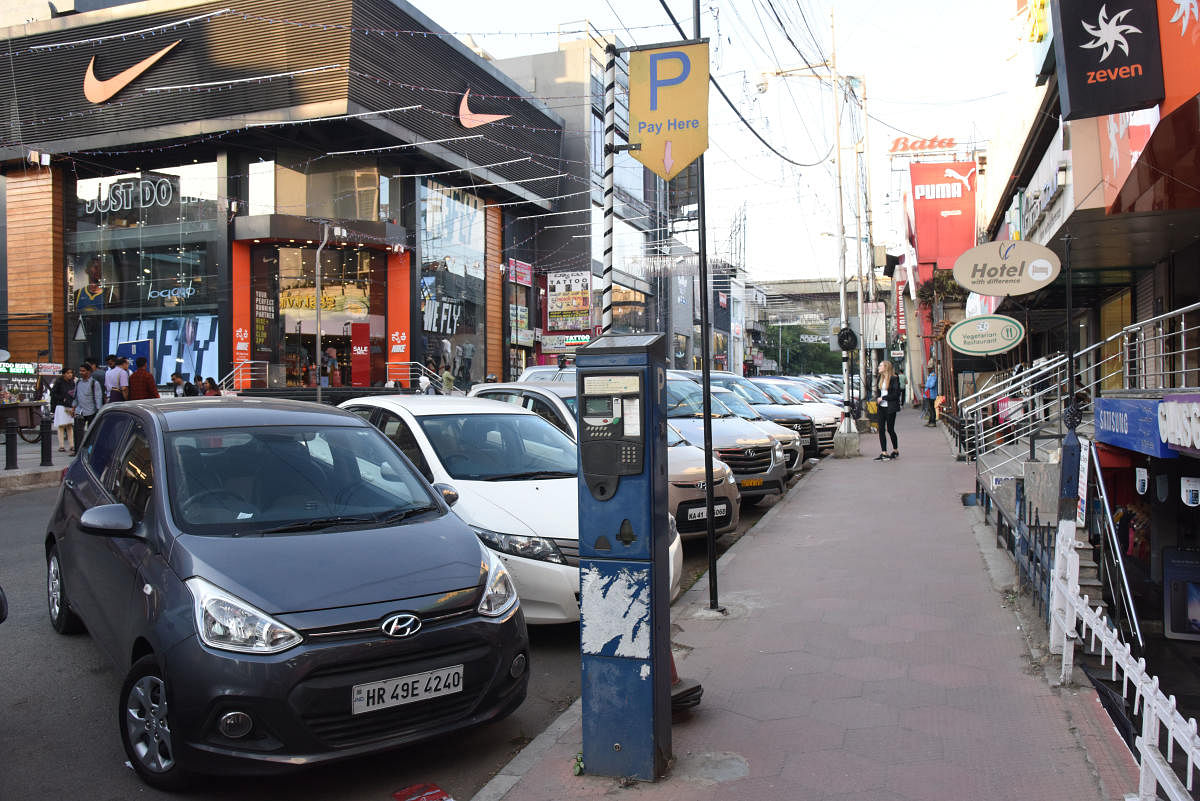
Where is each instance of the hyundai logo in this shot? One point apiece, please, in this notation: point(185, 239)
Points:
point(174, 292)
point(401, 625)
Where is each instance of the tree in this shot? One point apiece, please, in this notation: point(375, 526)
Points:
point(796, 357)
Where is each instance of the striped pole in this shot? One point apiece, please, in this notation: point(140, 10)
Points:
point(610, 129)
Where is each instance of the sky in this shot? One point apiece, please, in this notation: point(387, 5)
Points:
point(943, 68)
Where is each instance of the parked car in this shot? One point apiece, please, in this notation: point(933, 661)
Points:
point(278, 586)
point(556, 402)
point(757, 461)
point(784, 415)
point(824, 416)
point(686, 483)
point(793, 446)
point(516, 477)
point(546, 372)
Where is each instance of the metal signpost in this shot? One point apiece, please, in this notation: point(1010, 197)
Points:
point(624, 562)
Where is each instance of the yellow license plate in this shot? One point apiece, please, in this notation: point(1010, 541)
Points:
point(750, 482)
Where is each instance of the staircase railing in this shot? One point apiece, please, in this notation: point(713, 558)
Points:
point(244, 375)
point(1112, 559)
point(408, 374)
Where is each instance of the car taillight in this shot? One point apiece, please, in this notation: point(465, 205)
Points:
point(63, 475)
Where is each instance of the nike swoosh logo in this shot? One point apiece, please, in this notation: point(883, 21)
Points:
point(470, 119)
point(97, 91)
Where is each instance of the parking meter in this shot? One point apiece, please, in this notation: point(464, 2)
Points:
point(624, 566)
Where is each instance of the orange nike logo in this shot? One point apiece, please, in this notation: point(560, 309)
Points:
point(98, 91)
point(470, 119)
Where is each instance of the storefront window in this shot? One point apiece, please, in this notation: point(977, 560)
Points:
point(629, 310)
point(331, 188)
point(452, 281)
point(143, 267)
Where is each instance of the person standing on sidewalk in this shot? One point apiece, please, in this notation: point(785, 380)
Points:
point(62, 404)
point(141, 383)
point(116, 380)
point(929, 393)
point(183, 389)
point(889, 404)
point(89, 396)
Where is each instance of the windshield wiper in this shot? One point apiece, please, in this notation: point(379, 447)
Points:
point(404, 514)
point(317, 523)
point(531, 474)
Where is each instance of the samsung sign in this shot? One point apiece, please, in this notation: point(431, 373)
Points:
point(1179, 423)
point(1132, 424)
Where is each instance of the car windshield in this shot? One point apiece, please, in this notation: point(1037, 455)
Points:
point(684, 399)
point(744, 387)
point(500, 447)
point(674, 438)
point(737, 404)
point(776, 392)
point(263, 479)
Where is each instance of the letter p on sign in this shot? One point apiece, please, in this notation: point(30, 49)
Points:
point(657, 80)
point(668, 106)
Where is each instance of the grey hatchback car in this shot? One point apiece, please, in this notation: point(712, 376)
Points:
point(279, 586)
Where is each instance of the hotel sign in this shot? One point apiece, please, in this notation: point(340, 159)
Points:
point(1006, 268)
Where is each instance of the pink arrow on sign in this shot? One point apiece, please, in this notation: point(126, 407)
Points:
point(667, 160)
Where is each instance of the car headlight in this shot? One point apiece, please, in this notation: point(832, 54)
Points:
point(518, 545)
point(777, 452)
point(227, 622)
point(499, 594)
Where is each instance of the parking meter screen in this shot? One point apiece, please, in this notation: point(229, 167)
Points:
point(598, 407)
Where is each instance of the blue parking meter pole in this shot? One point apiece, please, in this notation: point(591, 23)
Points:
point(624, 637)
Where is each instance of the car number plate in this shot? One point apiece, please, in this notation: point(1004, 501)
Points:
point(405, 689)
point(750, 482)
point(702, 512)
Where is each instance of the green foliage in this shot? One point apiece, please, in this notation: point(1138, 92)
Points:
point(941, 286)
point(796, 357)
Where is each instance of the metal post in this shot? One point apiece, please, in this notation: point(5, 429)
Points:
point(849, 428)
point(317, 273)
point(879, 356)
point(706, 364)
point(47, 461)
point(610, 140)
point(864, 374)
point(10, 444)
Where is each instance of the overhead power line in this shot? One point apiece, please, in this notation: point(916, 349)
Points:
point(736, 111)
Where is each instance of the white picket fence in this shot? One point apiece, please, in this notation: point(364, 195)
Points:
point(1071, 614)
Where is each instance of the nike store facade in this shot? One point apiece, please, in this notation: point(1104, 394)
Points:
point(186, 174)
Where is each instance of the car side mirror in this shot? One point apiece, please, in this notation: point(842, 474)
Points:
point(449, 493)
point(111, 518)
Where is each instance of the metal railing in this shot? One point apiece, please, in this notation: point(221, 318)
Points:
point(1072, 618)
point(408, 375)
point(1113, 562)
point(244, 375)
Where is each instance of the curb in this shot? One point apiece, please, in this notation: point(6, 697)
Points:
point(19, 481)
point(499, 785)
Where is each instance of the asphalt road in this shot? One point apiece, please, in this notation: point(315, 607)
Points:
point(58, 698)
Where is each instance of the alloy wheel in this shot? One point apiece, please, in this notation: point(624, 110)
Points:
point(147, 725)
point(54, 587)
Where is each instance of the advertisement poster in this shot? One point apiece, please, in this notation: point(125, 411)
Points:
point(520, 272)
point(518, 324)
point(943, 198)
point(187, 345)
point(569, 300)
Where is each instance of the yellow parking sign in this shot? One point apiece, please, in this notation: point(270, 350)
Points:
point(668, 106)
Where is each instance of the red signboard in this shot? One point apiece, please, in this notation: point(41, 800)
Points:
point(944, 207)
point(520, 272)
point(360, 354)
point(398, 315)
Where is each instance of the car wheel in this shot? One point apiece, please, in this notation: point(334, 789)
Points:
point(62, 618)
point(145, 726)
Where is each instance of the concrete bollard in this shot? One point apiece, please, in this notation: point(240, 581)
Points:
point(10, 444)
point(46, 443)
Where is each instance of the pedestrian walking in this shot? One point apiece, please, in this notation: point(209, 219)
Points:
point(141, 383)
point(62, 406)
point(927, 396)
point(889, 404)
point(447, 380)
point(211, 390)
point(116, 379)
point(183, 389)
point(89, 397)
point(99, 368)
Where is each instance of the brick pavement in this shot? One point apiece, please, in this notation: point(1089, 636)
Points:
point(866, 655)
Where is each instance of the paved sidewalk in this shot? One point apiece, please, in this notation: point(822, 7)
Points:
point(866, 655)
point(29, 473)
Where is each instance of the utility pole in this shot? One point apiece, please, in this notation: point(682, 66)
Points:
point(879, 355)
point(317, 284)
point(863, 374)
point(845, 442)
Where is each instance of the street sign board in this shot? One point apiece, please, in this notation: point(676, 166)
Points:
point(1007, 268)
point(875, 330)
point(668, 106)
point(986, 334)
point(834, 325)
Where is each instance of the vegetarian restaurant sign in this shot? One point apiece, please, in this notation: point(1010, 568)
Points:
point(1006, 268)
point(986, 334)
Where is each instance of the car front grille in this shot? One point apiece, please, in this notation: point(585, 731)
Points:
point(344, 729)
point(686, 526)
point(825, 434)
point(569, 548)
point(803, 428)
point(747, 461)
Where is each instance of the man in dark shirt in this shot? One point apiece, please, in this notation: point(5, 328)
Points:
point(141, 383)
point(183, 388)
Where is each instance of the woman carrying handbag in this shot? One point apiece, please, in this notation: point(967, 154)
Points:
point(889, 404)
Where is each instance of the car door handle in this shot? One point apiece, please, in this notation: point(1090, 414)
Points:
point(69, 483)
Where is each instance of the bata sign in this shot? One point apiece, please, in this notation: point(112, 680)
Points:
point(902, 144)
point(1006, 268)
point(988, 334)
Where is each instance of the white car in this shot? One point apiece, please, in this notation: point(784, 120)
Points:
point(516, 477)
